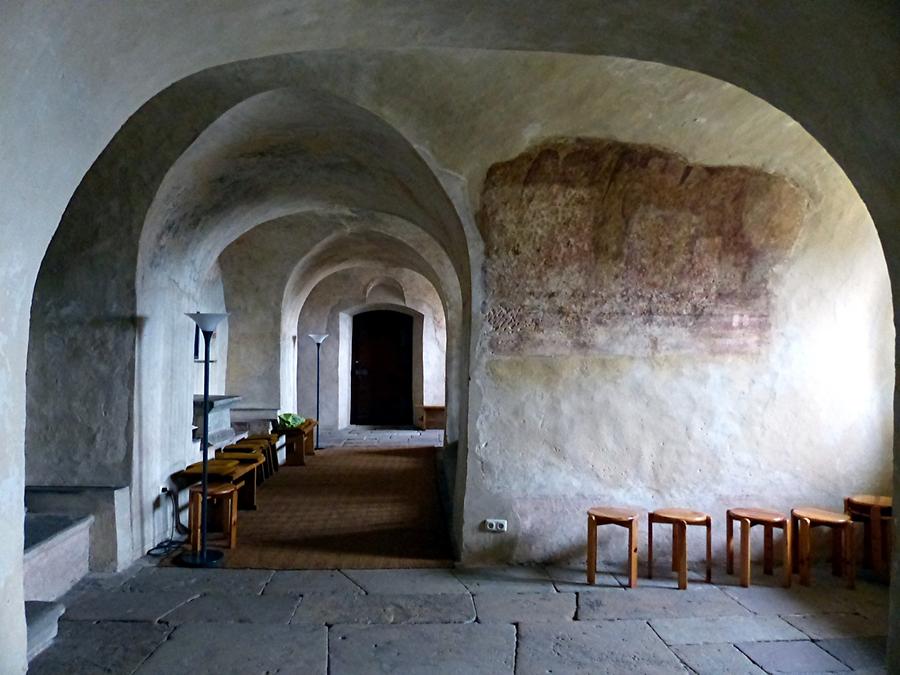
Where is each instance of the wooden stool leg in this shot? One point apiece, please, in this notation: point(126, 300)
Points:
point(874, 544)
point(649, 547)
point(729, 543)
point(745, 552)
point(803, 546)
point(795, 556)
point(708, 550)
point(788, 563)
point(632, 553)
point(849, 557)
point(868, 560)
point(768, 552)
point(232, 526)
point(591, 550)
point(194, 521)
point(837, 551)
point(675, 548)
point(680, 529)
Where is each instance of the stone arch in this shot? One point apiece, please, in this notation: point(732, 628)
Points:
point(163, 256)
point(331, 306)
point(853, 153)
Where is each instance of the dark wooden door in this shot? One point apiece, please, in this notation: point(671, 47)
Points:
point(381, 376)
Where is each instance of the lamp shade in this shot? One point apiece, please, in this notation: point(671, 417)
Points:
point(318, 338)
point(207, 322)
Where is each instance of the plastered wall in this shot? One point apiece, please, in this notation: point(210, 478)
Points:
point(660, 333)
point(69, 87)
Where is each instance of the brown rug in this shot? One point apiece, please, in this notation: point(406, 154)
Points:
point(352, 508)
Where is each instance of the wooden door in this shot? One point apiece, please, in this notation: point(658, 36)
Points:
point(381, 373)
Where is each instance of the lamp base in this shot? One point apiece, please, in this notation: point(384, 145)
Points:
point(212, 558)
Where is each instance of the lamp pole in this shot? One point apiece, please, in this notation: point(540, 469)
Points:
point(318, 338)
point(205, 558)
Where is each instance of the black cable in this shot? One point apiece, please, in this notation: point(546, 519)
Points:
point(170, 544)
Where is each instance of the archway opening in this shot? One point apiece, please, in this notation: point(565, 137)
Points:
point(381, 379)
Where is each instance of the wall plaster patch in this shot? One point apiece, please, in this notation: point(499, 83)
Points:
point(597, 246)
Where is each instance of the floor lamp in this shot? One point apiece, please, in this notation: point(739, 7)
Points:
point(204, 558)
point(318, 338)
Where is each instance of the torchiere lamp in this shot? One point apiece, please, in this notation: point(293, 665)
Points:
point(204, 558)
point(318, 338)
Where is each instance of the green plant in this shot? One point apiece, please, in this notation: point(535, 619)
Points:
point(290, 421)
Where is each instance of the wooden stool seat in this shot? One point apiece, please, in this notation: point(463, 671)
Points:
point(803, 519)
point(759, 516)
point(214, 491)
point(886, 504)
point(876, 514)
point(818, 516)
point(679, 519)
point(748, 517)
point(611, 515)
point(215, 466)
point(669, 516)
point(242, 457)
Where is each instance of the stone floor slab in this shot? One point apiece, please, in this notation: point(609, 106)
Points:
point(155, 579)
point(498, 607)
point(220, 608)
point(655, 603)
point(213, 649)
point(89, 648)
point(462, 649)
point(792, 657)
point(507, 579)
point(581, 647)
point(795, 600)
point(691, 631)
point(573, 579)
point(300, 582)
point(828, 626)
point(121, 606)
point(395, 608)
point(714, 659)
point(858, 653)
point(407, 581)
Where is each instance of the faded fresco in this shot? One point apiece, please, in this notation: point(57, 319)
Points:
point(601, 246)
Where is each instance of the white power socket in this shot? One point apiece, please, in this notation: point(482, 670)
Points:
point(495, 525)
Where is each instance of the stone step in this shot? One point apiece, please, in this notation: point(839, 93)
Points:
point(42, 619)
point(57, 553)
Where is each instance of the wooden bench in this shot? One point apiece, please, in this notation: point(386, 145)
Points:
point(231, 471)
point(300, 442)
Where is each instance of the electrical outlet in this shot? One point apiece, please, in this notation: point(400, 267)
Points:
point(495, 525)
point(163, 489)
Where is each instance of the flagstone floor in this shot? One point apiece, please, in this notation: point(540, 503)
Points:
point(520, 620)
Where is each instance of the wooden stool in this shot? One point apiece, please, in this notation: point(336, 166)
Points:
point(807, 517)
point(769, 520)
point(214, 491)
point(679, 519)
point(607, 515)
point(876, 514)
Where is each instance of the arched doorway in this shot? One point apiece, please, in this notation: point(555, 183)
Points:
point(381, 378)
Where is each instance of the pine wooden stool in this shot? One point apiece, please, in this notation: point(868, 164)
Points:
point(769, 520)
point(876, 514)
point(214, 491)
point(807, 517)
point(679, 519)
point(609, 515)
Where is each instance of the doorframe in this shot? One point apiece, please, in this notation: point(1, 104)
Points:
point(345, 356)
